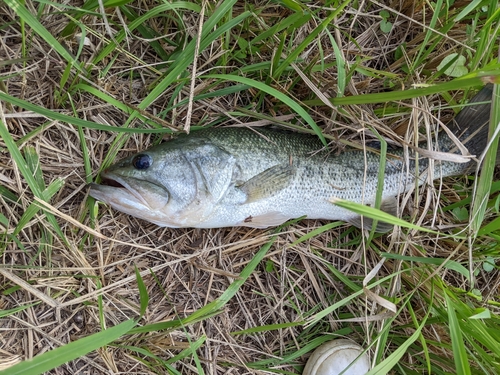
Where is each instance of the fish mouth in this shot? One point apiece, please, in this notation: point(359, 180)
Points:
point(113, 189)
point(110, 182)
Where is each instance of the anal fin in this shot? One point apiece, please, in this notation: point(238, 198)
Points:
point(270, 219)
point(389, 205)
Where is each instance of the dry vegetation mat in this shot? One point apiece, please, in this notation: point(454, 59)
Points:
point(85, 289)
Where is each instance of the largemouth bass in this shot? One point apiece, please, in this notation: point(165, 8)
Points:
point(225, 177)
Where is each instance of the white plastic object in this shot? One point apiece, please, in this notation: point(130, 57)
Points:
point(332, 357)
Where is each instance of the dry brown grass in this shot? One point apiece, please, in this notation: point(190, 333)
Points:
point(66, 282)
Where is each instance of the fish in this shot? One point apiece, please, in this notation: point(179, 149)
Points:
point(262, 177)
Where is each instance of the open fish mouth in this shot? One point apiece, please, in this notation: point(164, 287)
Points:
point(110, 182)
point(116, 191)
point(143, 199)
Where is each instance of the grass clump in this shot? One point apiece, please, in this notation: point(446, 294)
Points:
point(85, 288)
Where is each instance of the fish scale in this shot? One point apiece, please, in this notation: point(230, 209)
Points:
point(261, 177)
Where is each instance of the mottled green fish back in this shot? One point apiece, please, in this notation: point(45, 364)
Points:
point(263, 141)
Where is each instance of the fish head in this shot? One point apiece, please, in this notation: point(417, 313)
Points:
point(175, 184)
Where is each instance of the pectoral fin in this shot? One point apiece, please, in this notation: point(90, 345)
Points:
point(268, 183)
point(389, 205)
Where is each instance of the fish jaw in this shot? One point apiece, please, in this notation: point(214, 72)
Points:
point(138, 198)
point(149, 201)
point(118, 198)
point(120, 186)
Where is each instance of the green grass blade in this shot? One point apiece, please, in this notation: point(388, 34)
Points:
point(38, 28)
point(172, 324)
point(6, 313)
point(378, 215)
point(317, 232)
point(486, 177)
point(447, 263)
point(292, 4)
point(234, 287)
point(296, 20)
point(310, 346)
point(74, 120)
point(317, 317)
point(468, 9)
point(7, 194)
point(140, 21)
point(343, 278)
point(89, 7)
point(380, 178)
point(3, 220)
point(226, 91)
point(86, 156)
point(425, 49)
point(182, 62)
point(341, 67)
point(186, 57)
point(387, 364)
point(270, 327)
point(143, 292)
point(188, 351)
point(471, 80)
point(277, 94)
point(33, 208)
point(57, 357)
point(459, 353)
point(27, 174)
point(146, 353)
point(213, 308)
point(33, 163)
point(293, 55)
point(492, 226)
point(495, 187)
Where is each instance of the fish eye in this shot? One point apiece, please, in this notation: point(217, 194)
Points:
point(142, 161)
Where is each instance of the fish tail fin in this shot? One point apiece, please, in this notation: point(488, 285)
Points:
point(471, 125)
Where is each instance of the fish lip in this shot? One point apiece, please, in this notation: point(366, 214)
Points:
point(119, 183)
